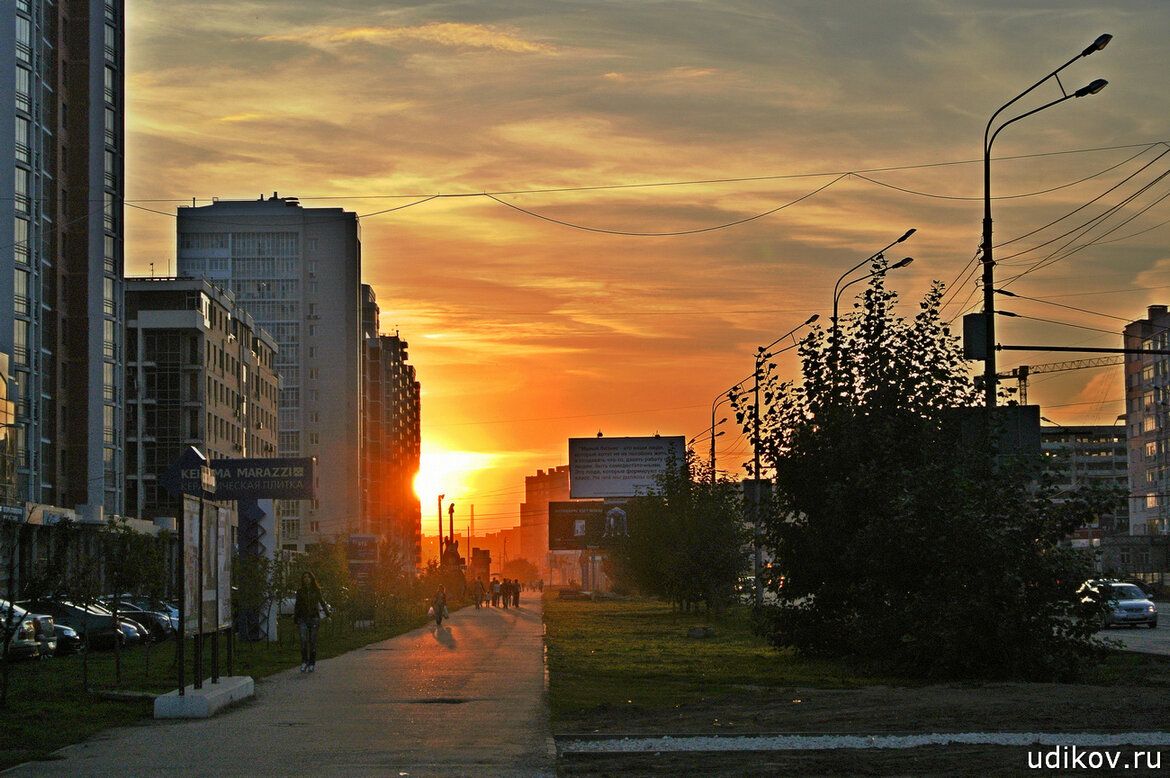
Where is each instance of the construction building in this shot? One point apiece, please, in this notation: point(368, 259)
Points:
point(200, 373)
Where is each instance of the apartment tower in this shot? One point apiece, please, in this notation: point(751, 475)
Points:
point(63, 264)
point(297, 271)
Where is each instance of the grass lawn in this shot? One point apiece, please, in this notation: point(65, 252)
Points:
point(48, 708)
point(636, 652)
point(627, 668)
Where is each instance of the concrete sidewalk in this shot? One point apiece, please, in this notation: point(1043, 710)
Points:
point(467, 699)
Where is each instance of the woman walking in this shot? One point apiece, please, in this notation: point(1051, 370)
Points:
point(439, 605)
point(307, 614)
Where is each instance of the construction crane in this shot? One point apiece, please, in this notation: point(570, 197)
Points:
point(1022, 372)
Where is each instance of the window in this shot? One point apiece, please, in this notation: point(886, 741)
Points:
point(111, 127)
point(108, 297)
point(20, 187)
point(20, 342)
point(108, 344)
point(20, 291)
point(111, 42)
point(24, 39)
point(22, 137)
point(23, 89)
point(20, 240)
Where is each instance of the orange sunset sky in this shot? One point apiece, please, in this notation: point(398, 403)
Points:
point(629, 133)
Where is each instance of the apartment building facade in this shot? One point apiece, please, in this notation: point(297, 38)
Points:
point(297, 271)
point(1147, 411)
point(200, 372)
point(62, 319)
point(392, 439)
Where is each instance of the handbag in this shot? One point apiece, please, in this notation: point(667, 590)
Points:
point(446, 614)
point(431, 612)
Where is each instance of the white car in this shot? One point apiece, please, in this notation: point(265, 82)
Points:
point(1128, 604)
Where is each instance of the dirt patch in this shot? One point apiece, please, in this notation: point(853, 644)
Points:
point(1135, 705)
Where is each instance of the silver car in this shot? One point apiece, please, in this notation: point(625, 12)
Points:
point(1128, 604)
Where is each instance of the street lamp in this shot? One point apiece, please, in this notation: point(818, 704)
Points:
point(763, 354)
point(989, 376)
point(838, 290)
point(720, 398)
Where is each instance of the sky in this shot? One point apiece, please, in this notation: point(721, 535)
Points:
point(585, 216)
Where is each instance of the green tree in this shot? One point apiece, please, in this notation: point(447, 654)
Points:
point(686, 542)
point(896, 543)
point(521, 570)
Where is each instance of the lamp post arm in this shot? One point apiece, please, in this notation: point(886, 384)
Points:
point(1025, 115)
point(1014, 100)
point(872, 257)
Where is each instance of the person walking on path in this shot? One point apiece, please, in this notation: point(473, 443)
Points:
point(495, 592)
point(479, 592)
point(310, 608)
point(439, 605)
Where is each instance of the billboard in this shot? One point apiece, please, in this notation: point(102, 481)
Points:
point(579, 525)
point(282, 478)
point(604, 468)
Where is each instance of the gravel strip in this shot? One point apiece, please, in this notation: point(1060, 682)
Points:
point(820, 742)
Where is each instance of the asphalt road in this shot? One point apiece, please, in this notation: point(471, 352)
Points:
point(467, 699)
point(1143, 639)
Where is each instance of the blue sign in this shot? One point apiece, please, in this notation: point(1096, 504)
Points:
point(281, 478)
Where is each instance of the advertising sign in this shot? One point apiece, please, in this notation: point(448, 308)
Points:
point(607, 468)
point(280, 478)
point(579, 525)
point(363, 557)
point(216, 592)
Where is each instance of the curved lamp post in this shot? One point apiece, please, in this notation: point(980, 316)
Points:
point(989, 376)
point(763, 354)
point(837, 292)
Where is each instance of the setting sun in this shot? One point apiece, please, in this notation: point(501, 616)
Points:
point(447, 473)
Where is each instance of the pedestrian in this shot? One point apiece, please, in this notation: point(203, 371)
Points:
point(479, 591)
point(308, 611)
point(439, 605)
point(505, 592)
point(516, 593)
point(495, 592)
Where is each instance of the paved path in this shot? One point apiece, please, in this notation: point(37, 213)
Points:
point(468, 699)
point(1142, 639)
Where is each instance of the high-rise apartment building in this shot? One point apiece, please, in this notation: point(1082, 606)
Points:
point(200, 372)
point(1091, 454)
point(392, 442)
point(1147, 413)
point(297, 271)
point(62, 270)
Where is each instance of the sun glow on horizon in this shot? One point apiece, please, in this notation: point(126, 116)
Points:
point(448, 473)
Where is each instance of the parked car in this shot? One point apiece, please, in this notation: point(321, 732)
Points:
point(1128, 604)
point(23, 643)
point(68, 641)
point(95, 625)
point(150, 604)
point(158, 625)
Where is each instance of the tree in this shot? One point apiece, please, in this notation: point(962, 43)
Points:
point(520, 570)
point(685, 542)
point(895, 542)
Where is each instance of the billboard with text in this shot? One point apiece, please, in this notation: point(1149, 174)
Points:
point(603, 468)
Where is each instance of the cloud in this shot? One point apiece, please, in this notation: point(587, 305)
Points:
point(446, 34)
